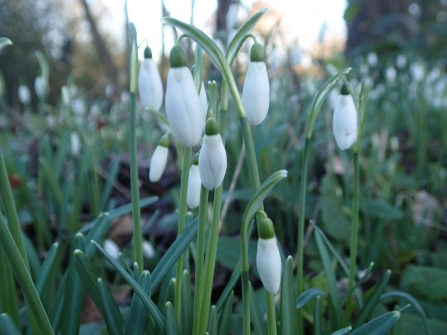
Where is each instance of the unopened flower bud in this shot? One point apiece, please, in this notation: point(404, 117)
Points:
point(213, 157)
point(344, 123)
point(150, 86)
point(112, 249)
point(159, 159)
point(183, 108)
point(256, 90)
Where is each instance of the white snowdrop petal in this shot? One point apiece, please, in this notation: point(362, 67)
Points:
point(150, 87)
point(268, 263)
point(158, 163)
point(112, 249)
point(345, 122)
point(148, 250)
point(212, 161)
point(183, 107)
point(24, 94)
point(75, 143)
point(194, 184)
point(256, 91)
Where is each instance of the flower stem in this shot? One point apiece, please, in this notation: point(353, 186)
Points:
point(300, 251)
point(354, 236)
point(271, 317)
point(201, 237)
point(181, 226)
point(137, 236)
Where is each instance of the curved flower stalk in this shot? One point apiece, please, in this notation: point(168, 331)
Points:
point(150, 86)
point(183, 107)
point(256, 91)
point(159, 159)
point(344, 123)
point(194, 185)
point(203, 103)
point(213, 157)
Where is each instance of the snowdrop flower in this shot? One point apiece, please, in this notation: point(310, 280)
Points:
point(194, 185)
point(65, 95)
point(148, 250)
point(182, 102)
point(372, 59)
point(345, 120)
point(41, 87)
point(390, 74)
point(401, 61)
point(417, 71)
point(75, 143)
point(212, 157)
point(24, 95)
point(112, 249)
point(268, 259)
point(109, 90)
point(150, 87)
point(256, 91)
point(159, 159)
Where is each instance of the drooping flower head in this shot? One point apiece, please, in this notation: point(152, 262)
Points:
point(344, 123)
point(268, 259)
point(183, 107)
point(194, 184)
point(159, 159)
point(213, 157)
point(256, 90)
point(150, 86)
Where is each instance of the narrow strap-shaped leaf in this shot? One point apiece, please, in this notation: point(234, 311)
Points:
point(412, 301)
point(117, 212)
point(359, 282)
point(187, 304)
point(378, 326)
point(230, 285)
point(89, 277)
point(102, 226)
point(7, 326)
point(225, 315)
point(288, 316)
point(308, 295)
point(174, 252)
point(113, 326)
point(108, 187)
point(55, 313)
point(8, 297)
point(47, 267)
point(342, 331)
point(258, 321)
point(52, 181)
point(153, 310)
point(239, 37)
point(136, 320)
point(318, 327)
point(170, 320)
point(212, 321)
point(372, 300)
point(74, 294)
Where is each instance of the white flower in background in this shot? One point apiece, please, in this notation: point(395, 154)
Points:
point(372, 59)
point(112, 249)
point(256, 91)
point(65, 95)
point(295, 57)
point(417, 71)
point(150, 86)
point(75, 143)
point(40, 87)
point(24, 95)
point(364, 69)
point(204, 104)
point(194, 185)
point(125, 97)
point(109, 90)
point(390, 74)
point(183, 107)
point(159, 159)
point(401, 61)
point(212, 157)
point(268, 259)
point(148, 250)
point(345, 120)
point(232, 16)
point(51, 121)
point(78, 106)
